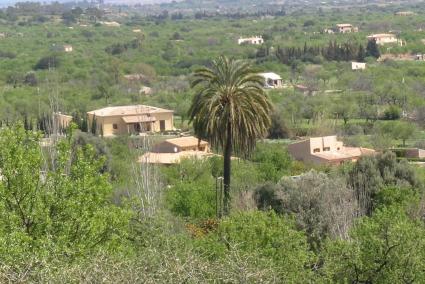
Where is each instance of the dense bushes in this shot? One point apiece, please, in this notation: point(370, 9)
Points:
point(386, 248)
point(56, 205)
point(60, 224)
point(322, 206)
point(273, 240)
point(47, 62)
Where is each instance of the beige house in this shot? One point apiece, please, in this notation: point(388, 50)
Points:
point(326, 150)
point(172, 151)
point(272, 80)
point(346, 28)
point(382, 39)
point(133, 120)
point(181, 144)
point(358, 66)
point(251, 40)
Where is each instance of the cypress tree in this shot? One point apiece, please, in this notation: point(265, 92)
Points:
point(361, 54)
point(372, 49)
point(94, 126)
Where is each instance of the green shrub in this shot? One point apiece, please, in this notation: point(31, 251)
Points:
point(273, 239)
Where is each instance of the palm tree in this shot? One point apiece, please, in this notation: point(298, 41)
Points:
point(231, 110)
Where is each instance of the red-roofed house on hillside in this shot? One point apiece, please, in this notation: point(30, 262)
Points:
point(326, 150)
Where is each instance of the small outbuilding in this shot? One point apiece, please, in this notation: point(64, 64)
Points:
point(358, 66)
point(272, 80)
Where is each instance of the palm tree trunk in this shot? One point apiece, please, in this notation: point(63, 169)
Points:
point(226, 171)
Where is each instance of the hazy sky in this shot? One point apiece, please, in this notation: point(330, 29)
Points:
point(8, 2)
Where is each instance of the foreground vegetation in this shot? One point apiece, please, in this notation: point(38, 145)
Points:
point(61, 222)
point(79, 208)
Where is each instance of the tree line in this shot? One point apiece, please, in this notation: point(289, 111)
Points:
point(334, 51)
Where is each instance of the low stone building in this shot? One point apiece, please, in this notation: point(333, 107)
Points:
point(272, 80)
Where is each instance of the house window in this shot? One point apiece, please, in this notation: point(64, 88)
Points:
point(115, 126)
point(338, 148)
point(326, 149)
point(316, 150)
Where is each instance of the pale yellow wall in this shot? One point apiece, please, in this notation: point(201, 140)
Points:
point(106, 124)
point(304, 150)
point(321, 143)
point(167, 116)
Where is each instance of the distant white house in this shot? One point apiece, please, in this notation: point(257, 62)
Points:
point(346, 28)
point(405, 13)
point(251, 40)
point(358, 66)
point(67, 48)
point(61, 48)
point(110, 24)
point(272, 80)
point(382, 39)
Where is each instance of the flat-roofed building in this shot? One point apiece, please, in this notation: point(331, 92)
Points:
point(133, 120)
point(326, 150)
